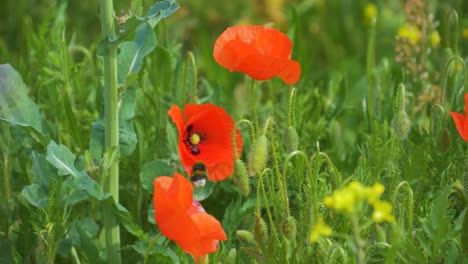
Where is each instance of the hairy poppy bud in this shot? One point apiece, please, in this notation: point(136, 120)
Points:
point(290, 228)
point(246, 236)
point(240, 177)
point(401, 124)
point(260, 230)
point(231, 257)
point(258, 155)
point(399, 102)
point(291, 139)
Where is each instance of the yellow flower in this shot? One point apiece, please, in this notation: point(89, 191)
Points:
point(341, 200)
point(409, 32)
point(435, 38)
point(359, 190)
point(382, 212)
point(374, 193)
point(319, 229)
point(370, 12)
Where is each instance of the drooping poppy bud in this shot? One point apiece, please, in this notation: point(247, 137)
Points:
point(258, 155)
point(240, 177)
point(291, 139)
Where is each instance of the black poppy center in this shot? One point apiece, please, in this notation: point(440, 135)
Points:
point(193, 139)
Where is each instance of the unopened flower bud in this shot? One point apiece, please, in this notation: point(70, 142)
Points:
point(246, 236)
point(401, 124)
point(240, 177)
point(258, 155)
point(291, 139)
point(290, 228)
point(231, 257)
point(399, 102)
point(260, 230)
point(444, 141)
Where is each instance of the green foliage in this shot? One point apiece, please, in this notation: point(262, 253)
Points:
point(53, 160)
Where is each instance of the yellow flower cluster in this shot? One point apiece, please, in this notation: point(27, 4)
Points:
point(354, 193)
point(435, 38)
point(319, 229)
point(409, 32)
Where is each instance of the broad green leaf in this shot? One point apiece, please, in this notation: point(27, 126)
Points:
point(153, 169)
point(26, 134)
point(15, 104)
point(158, 252)
point(205, 192)
point(35, 195)
point(62, 159)
point(132, 53)
point(41, 169)
point(8, 253)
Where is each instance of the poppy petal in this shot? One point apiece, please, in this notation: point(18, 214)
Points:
point(466, 104)
point(177, 117)
point(245, 34)
point(460, 123)
point(291, 72)
point(282, 45)
point(208, 226)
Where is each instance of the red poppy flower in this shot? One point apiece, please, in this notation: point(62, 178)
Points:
point(183, 219)
point(205, 135)
point(461, 121)
point(257, 51)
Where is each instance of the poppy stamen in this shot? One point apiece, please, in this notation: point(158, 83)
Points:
point(193, 140)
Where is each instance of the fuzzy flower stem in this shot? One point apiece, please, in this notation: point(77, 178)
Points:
point(445, 75)
point(148, 250)
point(274, 154)
point(252, 134)
point(111, 131)
point(254, 105)
point(436, 108)
point(409, 208)
point(265, 201)
point(292, 108)
point(193, 63)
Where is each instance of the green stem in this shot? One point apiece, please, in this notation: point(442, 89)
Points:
point(370, 63)
point(265, 202)
point(254, 105)
point(193, 63)
point(359, 243)
point(292, 108)
point(111, 123)
point(445, 75)
point(409, 208)
point(7, 194)
point(148, 250)
point(252, 134)
point(453, 13)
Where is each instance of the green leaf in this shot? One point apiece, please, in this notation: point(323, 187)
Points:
point(35, 195)
point(132, 53)
point(160, 253)
point(8, 253)
point(15, 104)
point(153, 169)
point(26, 134)
point(62, 159)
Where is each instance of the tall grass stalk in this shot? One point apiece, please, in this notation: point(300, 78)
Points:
point(111, 121)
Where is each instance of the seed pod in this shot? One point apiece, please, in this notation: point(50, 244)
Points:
point(260, 230)
point(258, 156)
point(290, 228)
point(399, 102)
point(240, 177)
point(246, 237)
point(291, 139)
point(402, 125)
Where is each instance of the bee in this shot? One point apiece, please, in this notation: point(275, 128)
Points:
point(199, 175)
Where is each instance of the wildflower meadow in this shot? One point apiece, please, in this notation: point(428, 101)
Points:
point(270, 131)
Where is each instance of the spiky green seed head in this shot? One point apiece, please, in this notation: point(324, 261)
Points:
point(260, 230)
point(231, 257)
point(399, 103)
point(289, 228)
point(258, 156)
point(444, 141)
point(240, 177)
point(291, 139)
point(402, 125)
point(246, 237)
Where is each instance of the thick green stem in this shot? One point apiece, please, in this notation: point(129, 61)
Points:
point(6, 185)
point(445, 76)
point(233, 138)
point(254, 105)
point(267, 207)
point(111, 123)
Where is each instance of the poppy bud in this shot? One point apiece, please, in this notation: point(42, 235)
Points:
point(444, 141)
point(289, 228)
point(240, 177)
point(258, 155)
point(401, 124)
point(399, 103)
point(231, 257)
point(260, 230)
point(291, 139)
point(246, 236)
